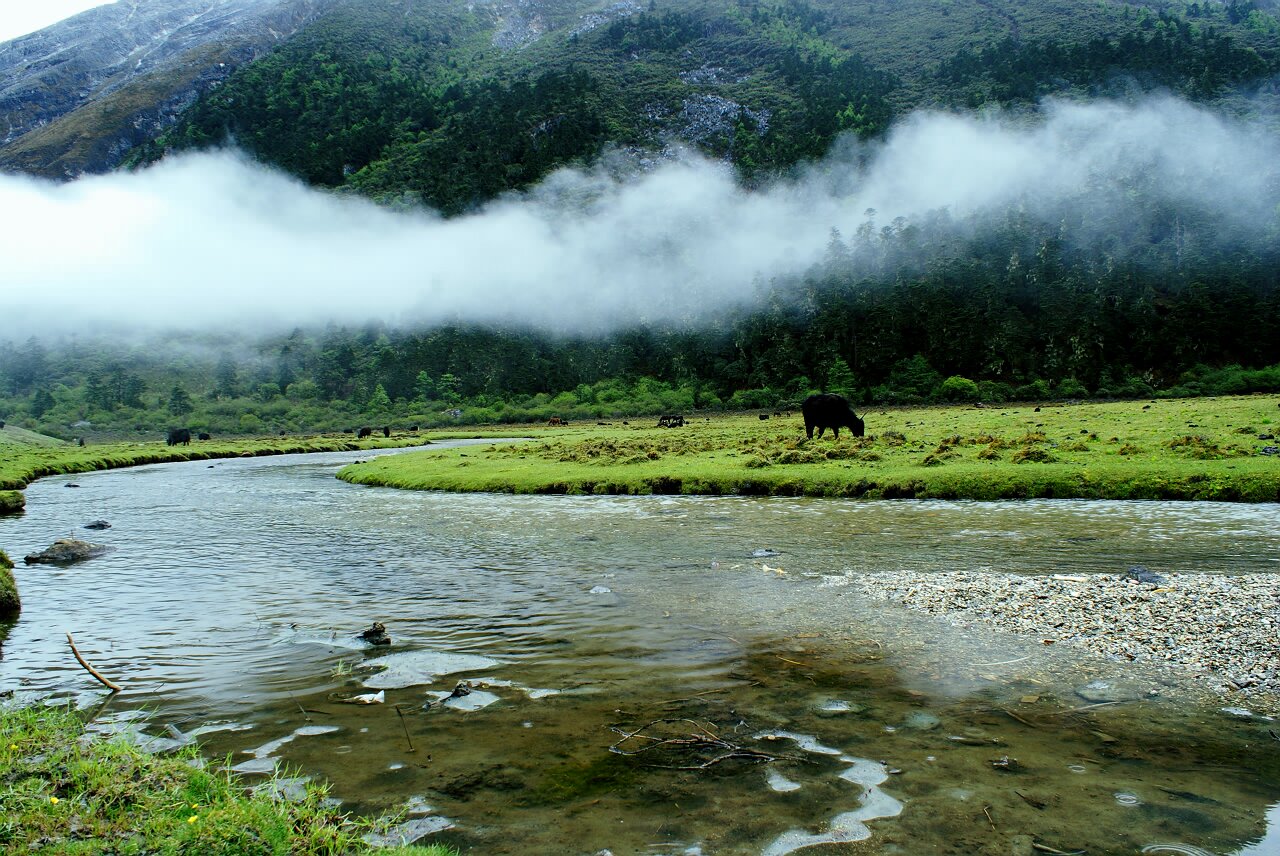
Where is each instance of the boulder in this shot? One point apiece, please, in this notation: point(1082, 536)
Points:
point(98, 524)
point(66, 551)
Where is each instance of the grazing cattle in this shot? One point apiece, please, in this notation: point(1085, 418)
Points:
point(413, 427)
point(830, 411)
point(764, 416)
point(1, 423)
point(670, 420)
point(203, 436)
point(80, 441)
point(364, 432)
point(555, 420)
point(386, 431)
point(179, 436)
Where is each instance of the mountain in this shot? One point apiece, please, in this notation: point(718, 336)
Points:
point(79, 94)
point(455, 102)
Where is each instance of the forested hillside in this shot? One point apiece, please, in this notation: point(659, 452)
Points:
point(454, 105)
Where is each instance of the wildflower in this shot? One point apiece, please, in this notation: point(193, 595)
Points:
point(192, 819)
point(53, 800)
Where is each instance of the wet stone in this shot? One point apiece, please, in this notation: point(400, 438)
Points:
point(66, 551)
point(921, 720)
point(408, 832)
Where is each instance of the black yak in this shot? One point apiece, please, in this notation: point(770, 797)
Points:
point(366, 431)
point(830, 411)
point(179, 436)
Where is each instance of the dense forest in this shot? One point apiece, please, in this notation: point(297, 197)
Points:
point(1015, 313)
point(428, 104)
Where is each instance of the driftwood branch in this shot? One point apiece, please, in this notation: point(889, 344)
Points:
point(114, 687)
point(693, 747)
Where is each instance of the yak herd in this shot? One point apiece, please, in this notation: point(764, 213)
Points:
point(820, 412)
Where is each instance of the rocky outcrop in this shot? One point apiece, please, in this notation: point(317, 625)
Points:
point(65, 551)
point(77, 96)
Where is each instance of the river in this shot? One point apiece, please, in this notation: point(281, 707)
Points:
point(648, 674)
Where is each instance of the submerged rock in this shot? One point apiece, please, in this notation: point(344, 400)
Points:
point(408, 832)
point(66, 551)
point(98, 524)
point(376, 635)
point(422, 667)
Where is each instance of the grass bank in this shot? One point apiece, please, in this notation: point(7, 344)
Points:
point(25, 457)
point(1203, 448)
point(61, 793)
point(10, 603)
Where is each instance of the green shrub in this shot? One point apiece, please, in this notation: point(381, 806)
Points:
point(956, 388)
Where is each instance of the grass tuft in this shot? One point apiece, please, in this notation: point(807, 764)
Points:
point(65, 793)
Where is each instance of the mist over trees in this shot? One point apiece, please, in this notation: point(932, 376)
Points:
point(1047, 228)
point(1014, 312)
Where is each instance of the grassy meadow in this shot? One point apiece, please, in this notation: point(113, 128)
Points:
point(26, 456)
point(61, 793)
point(1202, 448)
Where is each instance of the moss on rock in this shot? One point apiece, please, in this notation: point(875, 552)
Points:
point(11, 501)
point(10, 603)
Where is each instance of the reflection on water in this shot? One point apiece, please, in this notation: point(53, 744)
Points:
point(766, 710)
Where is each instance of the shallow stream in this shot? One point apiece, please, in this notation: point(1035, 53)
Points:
point(659, 675)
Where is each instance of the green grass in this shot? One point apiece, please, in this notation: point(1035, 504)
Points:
point(1205, 449)
point(62, 794)
point(25, 456)
point(10, 603)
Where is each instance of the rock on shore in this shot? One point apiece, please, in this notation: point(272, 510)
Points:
point(1222, 631)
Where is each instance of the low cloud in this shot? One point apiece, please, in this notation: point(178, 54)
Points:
point(214, 240)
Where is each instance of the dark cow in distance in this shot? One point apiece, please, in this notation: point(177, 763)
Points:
point(386, 431)
point(366, 431)
point(179, 436)
point(671, 420)
point(204, 436)
point(830, 411)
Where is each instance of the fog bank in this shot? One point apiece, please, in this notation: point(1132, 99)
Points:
point(213, 240)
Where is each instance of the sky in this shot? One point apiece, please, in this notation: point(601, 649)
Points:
point(19, 17)
point(213, 239)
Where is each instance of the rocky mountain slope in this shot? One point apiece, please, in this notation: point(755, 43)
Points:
point(78, 95)
point(455, 101)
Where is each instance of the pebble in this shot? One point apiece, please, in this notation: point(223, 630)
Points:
point(1222, 631)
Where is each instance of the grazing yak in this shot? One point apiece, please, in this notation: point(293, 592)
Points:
point(203, 436)
point(366, 431)
point(671, 420)
point(830, 411)
point(179, 436)
point(386, 431)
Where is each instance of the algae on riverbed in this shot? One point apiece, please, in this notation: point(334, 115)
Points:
point(1202, 449)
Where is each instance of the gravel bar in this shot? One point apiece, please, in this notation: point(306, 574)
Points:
point(1221, 631)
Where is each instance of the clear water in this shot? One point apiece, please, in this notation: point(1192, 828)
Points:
point(650, 674)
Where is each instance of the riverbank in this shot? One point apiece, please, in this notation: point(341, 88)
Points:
point(1219, 449)
point(23, 462)
point(65, 793)
point(1220, 633)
